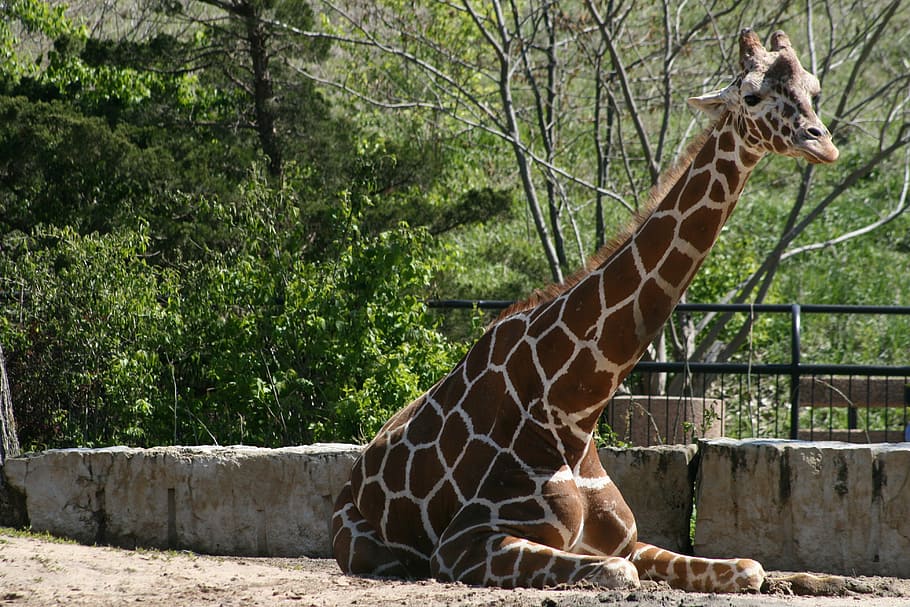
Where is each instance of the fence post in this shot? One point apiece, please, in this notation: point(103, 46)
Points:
point(794, 370)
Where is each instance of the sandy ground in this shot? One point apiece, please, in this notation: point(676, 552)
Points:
point(37, 571)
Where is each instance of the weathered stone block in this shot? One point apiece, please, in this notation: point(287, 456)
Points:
point(822, 506)
point(657, 484)
point(231, 500)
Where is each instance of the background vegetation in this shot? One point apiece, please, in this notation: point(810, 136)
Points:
point(220, 219)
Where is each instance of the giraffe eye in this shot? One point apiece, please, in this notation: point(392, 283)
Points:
point(751, 99)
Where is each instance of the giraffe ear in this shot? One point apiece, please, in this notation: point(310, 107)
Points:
point(713, 104)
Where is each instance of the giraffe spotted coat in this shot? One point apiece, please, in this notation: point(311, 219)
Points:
point(491, 477)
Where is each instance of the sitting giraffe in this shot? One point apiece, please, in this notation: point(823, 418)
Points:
point(492, 477)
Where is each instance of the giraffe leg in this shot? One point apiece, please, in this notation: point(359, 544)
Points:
point(474, 551)
point(357, 547)
point(695, 573)
point(503, 560)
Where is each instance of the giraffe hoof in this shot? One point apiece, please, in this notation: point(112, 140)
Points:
point(615, 573)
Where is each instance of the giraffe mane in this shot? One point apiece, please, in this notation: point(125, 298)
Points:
point(665, 182)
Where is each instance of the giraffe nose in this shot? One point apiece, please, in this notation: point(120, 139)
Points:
point(814, 144)
point(815, 132)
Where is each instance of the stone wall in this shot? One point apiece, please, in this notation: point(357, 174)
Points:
point(828, 507)
point(822, 506)
point(234, 500)
point(268, 502)
point(657, 484)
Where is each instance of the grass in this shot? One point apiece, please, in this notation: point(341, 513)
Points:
point(36, 535)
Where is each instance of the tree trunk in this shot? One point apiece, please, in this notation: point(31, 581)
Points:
point(522, 161)
point(263, 93)
point(13, 512)
point(9, 443)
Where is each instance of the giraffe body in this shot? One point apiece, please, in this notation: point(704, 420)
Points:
point(492, 477)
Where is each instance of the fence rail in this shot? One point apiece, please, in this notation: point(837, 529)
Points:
point(792, 399)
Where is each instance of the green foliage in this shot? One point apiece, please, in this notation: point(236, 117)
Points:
point(52, 61)
point(86, 319)
point(248, 345)
point(865, 271)
point(35, 17)
point(291, 350)
point(158, 295)
point(63, 168)
point(153, 292)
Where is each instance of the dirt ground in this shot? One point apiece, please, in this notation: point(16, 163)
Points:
point(36, 571)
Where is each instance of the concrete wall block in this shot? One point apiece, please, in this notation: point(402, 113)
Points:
point(656, 483)
point(64, 490)
point(891, 496)
point(822, 506)
point(218, 500)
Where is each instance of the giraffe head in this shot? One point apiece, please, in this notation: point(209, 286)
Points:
point(771, 102)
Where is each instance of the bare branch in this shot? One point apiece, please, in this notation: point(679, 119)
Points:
point(860, 64)
point(459, 98)
point(623, 79)
point(896, 212)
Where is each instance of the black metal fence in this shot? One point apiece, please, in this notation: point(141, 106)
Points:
point(797, 398)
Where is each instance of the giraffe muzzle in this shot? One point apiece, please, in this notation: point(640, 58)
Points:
point(815, 145)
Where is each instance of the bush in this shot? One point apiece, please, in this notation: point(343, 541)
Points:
point(252, 343)
point(86, 320)
point(286, 349)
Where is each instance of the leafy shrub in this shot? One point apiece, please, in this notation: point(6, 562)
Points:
point(86, 320)
point(283, 349)
point(251, 343)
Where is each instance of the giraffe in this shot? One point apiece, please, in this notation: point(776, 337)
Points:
point(492, 477)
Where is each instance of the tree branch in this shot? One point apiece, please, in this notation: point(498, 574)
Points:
point(898, 210)
point(624, 85)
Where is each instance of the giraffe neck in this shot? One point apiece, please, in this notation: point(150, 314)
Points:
point(673, 240)
point(625, 301)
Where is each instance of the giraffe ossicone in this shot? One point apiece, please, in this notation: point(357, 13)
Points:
point(491, 477)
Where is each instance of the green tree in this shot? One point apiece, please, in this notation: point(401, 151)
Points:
point(253, 344)
point(21, 20)
point(284, 349)
point(62, 168)
point(587, 103)
point(86, 319)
